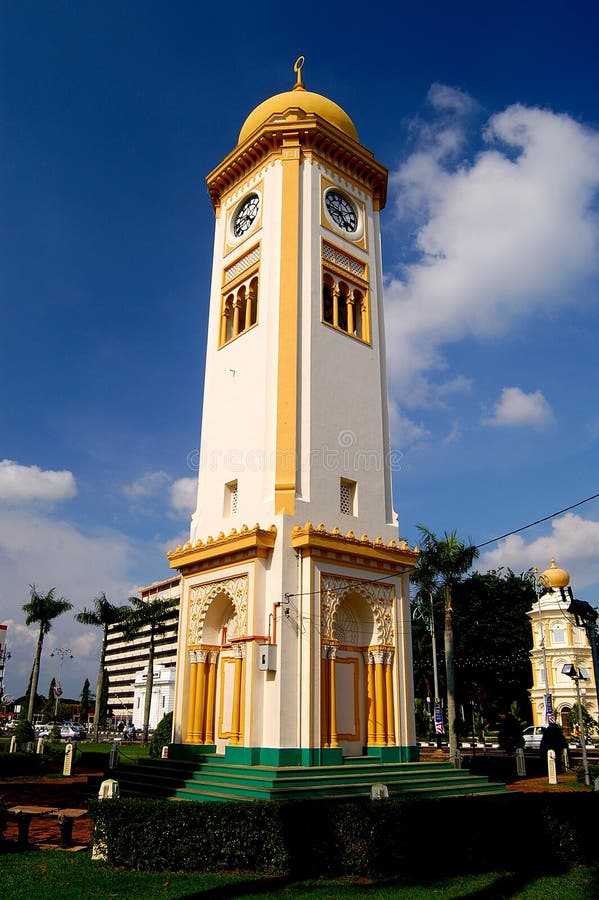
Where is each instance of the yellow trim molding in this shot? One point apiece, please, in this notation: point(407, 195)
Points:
point(320, 542)
point(252, 542)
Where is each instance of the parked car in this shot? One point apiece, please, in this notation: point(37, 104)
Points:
point(43, 731)
point(71, 731)
point(533, 736)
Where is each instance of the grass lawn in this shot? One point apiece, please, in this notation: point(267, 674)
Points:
point(69, 875)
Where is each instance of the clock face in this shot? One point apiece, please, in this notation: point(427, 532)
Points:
point(342, 211)
point(246, 214)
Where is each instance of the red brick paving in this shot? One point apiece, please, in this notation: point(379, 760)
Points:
point(60, 792)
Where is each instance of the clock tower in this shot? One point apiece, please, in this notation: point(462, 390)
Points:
point(294, 638)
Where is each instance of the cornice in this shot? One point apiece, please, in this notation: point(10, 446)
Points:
point(318, 541)
point(315, 136)
point(251, 542)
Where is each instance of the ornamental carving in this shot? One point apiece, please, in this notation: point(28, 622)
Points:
point(335, 620)
point(202, 596)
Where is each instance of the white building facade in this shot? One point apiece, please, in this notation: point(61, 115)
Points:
point(163, 695)
point(126, 659)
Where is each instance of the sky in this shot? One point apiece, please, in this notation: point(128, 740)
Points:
point(113, 114)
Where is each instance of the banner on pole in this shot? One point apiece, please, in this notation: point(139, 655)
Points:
point(439, 727)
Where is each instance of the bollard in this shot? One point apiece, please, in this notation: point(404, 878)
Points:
point(379, 792)
point(520, 762)
point(13, 745)
point(164, 754)
point(551, 767)
point(457, 760)
point(109, 790)
point(596, 784)
point(68, 759)
point(114, 755)
point(40, 747)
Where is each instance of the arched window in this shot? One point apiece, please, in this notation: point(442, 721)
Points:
point(239, 311)
point(344, 306)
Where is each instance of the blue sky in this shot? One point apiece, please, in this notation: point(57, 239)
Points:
point(113, 114)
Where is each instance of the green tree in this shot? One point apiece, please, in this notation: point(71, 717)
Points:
point(573, 720)
point(442, 565)
point(493, 640)
point(101, 710)
point(41, 609)
point(85, 702)
point(149, 616)
point(102, 615)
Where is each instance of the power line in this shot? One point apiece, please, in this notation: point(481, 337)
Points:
point(538, 521)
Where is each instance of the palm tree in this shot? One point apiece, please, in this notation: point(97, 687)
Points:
point(153, 616)
point(442, 563)
point(103, 614)
point(42, 608)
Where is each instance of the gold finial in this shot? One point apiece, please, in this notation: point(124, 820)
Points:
point(297, 67)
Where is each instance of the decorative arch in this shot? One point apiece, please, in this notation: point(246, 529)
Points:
point(335, 589)
point(230, 599)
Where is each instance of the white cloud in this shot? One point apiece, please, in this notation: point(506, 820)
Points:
point(573, 543)
point(37, 549)
point(26, 484)
point(404, 432)
point(517, 408)
point(499, 238)
point(183, 495)
point(149, 484)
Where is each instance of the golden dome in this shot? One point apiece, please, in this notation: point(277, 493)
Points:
point(307, 101)
point(554, 577)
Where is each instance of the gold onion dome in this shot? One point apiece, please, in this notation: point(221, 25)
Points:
point(554, 577)
point(307, 101)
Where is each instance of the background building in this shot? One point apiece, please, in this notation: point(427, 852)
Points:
point(127, 659)
point(558, 641)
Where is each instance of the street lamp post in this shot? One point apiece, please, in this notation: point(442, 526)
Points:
point(576, 675)
point(61, 652)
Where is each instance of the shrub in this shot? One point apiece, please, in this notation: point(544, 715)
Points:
point(162, 735)
point(312, 838)
point(553, 739)
point(24, 733)
point(510, 736)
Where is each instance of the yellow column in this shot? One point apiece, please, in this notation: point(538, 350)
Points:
point(370, 698)
point(198, 716)
point(379, 692)
point(325, 693)
point(389, 698)
point(333, 697)
point(350, 312)
point(286, 416)
point(236, 317)
point(223, 324)
point(365, 320)
point(211, 698)
point(336, 306)
point(248, 308)
point(236, 708)
point(191, 737)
